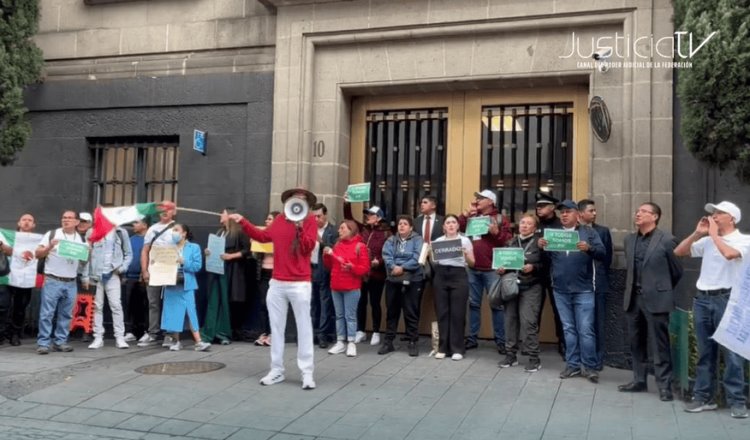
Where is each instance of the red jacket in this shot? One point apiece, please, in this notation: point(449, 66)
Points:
point(374, 238)
point(483, 246)
point(289, 263)
point(348, 264)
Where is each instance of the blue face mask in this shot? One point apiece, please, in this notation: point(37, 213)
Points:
point(176, 237)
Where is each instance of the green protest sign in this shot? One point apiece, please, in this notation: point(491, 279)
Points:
point(561, 240)
point(507, 258)
point(359, 192)
point(73, 250)
point(478, 226)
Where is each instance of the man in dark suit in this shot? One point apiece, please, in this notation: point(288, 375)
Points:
point(653, 272)
point(321, 304)
point(428, 221)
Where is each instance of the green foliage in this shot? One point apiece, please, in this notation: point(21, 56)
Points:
point(714, 93)
point(20, 65)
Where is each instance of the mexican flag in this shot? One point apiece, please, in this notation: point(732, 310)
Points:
point(8, 237)
point(106, 219)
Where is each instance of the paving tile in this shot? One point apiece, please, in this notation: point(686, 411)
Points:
point(43, 411)
point(108, 419)
point(15, 407)
point(140, 422)
point(175, 427)
point(75, 415)
point(251, 434)
point(211, 431)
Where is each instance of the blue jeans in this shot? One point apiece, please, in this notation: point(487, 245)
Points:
point(479, 282)
point(56, 296)
point(346, 304)
point(707, 312)
point(577, 316)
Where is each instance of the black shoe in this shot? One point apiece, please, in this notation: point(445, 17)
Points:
point(471, 344)
point(501, 349)
point(591, 375)
point(387, 347)
point(510, 361)
point(86, 337)
point(633, 387)
point(65, 348)
point(323, 343)
point(665, 395)
point(533, 366)
point(15, 340)
point(413, 349)
point(570, 372)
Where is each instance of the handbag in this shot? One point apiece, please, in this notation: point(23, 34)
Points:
point(509, 286)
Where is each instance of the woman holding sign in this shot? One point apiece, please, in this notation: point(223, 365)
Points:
point(522, 312)
point(179, 300)
point(451, 287)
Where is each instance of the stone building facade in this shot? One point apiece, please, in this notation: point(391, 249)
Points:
point(316, 92)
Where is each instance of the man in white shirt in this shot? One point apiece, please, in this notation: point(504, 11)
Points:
point(59, 291)
point(157, 235)
point(21, 280)
point(722, 247)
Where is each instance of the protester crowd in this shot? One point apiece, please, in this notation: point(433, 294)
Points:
point(331, 275)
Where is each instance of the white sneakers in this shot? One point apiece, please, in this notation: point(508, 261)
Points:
point(146, 340)
point(129, 337)
point(359, 337)
point(338, 348)
point(307, 382)
point(439, 355)
point(375, 339)
point(98, 343)
point(168, 342)
point(274, 377)
point(120, 343)
point(457, 356)
point(202, 346)
point(351, 349)
point(177, 346)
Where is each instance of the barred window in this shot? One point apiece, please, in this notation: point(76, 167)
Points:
point(135, 169)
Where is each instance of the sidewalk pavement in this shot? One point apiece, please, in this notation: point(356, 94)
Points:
point(96, 394)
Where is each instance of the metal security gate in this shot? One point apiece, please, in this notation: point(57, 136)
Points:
point(406, 158)
point(525, 148)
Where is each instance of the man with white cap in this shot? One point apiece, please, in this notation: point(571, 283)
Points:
point(721, 245)
point(481, 276)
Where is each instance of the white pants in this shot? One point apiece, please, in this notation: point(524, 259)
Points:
point(113, 290)
point(280, 295)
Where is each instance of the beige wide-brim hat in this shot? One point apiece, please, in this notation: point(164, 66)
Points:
point(286, 195)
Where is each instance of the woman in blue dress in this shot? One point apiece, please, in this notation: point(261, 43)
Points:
point(179, 300)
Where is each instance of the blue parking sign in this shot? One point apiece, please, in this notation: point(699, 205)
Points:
point(199, 141)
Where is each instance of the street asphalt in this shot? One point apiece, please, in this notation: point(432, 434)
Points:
point(97, 394)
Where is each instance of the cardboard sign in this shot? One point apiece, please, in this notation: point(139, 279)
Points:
point(507, 258)
point(359, 192)
point(561, 240)
point(478, 226)
point(73, 250)
point(162, 266)
point(263, 248)
point(447, 250)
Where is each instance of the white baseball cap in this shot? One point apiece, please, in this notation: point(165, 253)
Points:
point(728, 207)
point(487, 194)
point(85, 217)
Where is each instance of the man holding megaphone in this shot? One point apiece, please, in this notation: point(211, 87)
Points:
point(294, 234)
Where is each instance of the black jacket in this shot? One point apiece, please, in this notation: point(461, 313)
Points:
point(660, 272)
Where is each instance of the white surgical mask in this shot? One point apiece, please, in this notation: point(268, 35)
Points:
point(176, 237)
